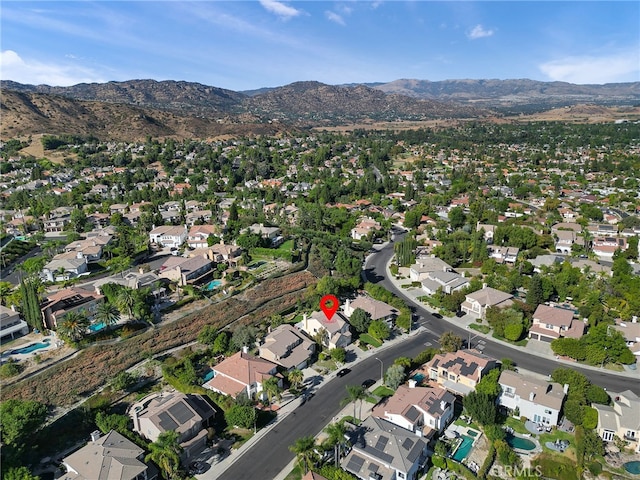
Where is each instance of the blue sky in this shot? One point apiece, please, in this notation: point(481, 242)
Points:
point(243, 45)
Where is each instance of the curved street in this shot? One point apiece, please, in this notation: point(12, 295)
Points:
point(270, 453)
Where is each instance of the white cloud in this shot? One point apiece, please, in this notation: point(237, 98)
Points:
point(620, 67)
point(280, 9)
point(13, 67)
point(334, 17)
point(479, 32)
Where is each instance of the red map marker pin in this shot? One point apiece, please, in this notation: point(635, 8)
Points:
point(329, 305)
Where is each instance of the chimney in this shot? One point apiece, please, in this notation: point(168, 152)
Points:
point(531, 396)
point(412, 383)
point(79, 255)
point(634, 319)
point(95, 435)
point(443, 405)
point(484, 285)
point(13, 307)
point(304, 322)
point(347, 305)
point(245, 349)
point(565, 388)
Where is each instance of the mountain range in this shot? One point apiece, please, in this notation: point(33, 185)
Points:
point(164, 108)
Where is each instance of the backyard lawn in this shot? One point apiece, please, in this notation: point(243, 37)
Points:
point(368, 339)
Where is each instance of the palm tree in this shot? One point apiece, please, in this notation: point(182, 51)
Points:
point(354, 393)
point(73, 326)
point(336, 432)
point(271, 388)
point(5, 291)
point(165, 452)
point(126, 300)
point(106, 314)
point(295, 377)
point(304, 448)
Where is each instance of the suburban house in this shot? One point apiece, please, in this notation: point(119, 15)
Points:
point(130, 279)
point(605, 247)
point(621, 420)
point(168, 235)
point(111, 456)
point(550, 323)
point(288, 347)
point(74, 299)
point(365, 227)
point(477, 303)
point(422, 410)
point(382, 450)
point(375, 308)
point(268, 233)
point(336, 332)
point(11, 324)
point(423, 266)
point(89, 248)
point(631, 333)
point(65, 266)
point(188, 415)
point(186, 271)
point(449, 282)
point(241, 372)
point(56, 224)
point(459, 372)
point(565, 240)
point(503, 254)
point(538, 400)
point(489, 231)
point(199, 234)
point(221, 253)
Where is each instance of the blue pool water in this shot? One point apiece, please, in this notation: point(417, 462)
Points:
point(418, 377)
point(464, 449)
point(96, 327)
point(520, 443)
point(31, 348)
point(632, 467)
point(207, 377)
point(213, 284)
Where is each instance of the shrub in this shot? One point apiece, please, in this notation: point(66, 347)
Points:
point(590, 418)
point(513, 331)
point(10, 369)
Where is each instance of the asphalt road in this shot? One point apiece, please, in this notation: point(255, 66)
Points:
point(375, 272)
point(271, 453)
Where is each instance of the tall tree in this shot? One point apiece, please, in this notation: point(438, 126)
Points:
point(295, 377)
point(107, 314)
point(165, 452)
point(126, 301)
point(31, 302)
point(73, 326)
point(535, 294)
point(304, 448)
point(355, 393)
point(336, 439)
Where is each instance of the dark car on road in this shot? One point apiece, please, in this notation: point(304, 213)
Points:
point(437, 315)
point(367, 383)
point(197, 468)
point(343, 372)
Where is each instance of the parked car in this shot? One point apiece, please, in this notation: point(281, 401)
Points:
point(368, 382)
point(343, 372)
point(197, 468)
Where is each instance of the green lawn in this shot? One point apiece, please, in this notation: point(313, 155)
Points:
point(516, 424)
point(383, 391)
point(366, 338)
point(480, 328)
point(554, 466)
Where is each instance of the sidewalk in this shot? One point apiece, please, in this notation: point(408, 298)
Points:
point(288, 405)
point(534, 347)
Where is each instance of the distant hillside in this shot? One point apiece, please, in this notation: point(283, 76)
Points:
point(523, 94)
point(25, 113)
point(136, 108)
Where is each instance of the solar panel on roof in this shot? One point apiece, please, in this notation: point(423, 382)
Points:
point(166, 422)
point(355, 464)
point(415, 452)
point(181, 413)
point(413, 413)
point(407, 444)
point(373, 467)
point(381, 443)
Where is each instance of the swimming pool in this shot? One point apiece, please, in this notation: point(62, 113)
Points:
point(520, 443)
point(463, 450)
point(213, 284)
point(632, 467)
point(96, 327)
point(30, 348)
point(418, 377)
point(207, 377)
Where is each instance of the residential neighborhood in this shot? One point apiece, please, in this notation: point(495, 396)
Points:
point(487, 318)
